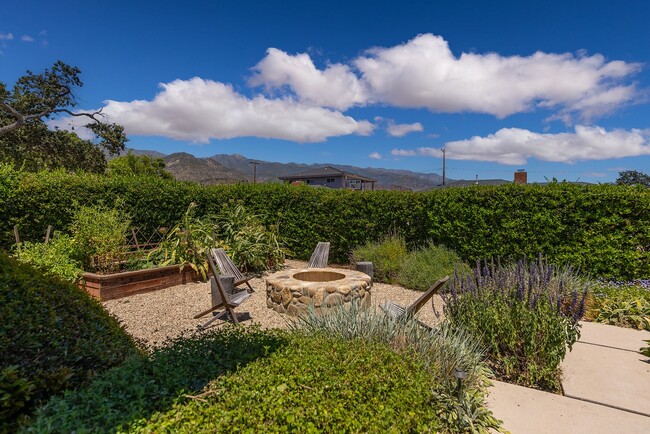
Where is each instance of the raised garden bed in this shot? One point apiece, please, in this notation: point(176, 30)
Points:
point(111, 286)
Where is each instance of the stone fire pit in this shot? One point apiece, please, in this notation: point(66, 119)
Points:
point(291, 291)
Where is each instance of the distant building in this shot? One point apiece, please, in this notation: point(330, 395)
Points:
point(331, 177)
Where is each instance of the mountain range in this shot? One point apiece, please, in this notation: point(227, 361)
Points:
point(229, 168)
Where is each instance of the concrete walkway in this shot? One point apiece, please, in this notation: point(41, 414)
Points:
point(606, 384)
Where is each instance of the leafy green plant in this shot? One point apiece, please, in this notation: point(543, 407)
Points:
point(423, 266)
point(57, 257)
point(623, 304)
point(646, 350)
point(526, 315)
point(186, 244)
point(387, 256)
point(249, 243)
point(99, 234)
point(53, 337)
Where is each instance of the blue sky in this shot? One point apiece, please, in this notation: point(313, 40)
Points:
point(557, 88)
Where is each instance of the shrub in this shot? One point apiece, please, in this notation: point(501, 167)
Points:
point(312, 385)
point(99, 234)
point(623, 304)
point(442, 350)
point(386, 255)
point(646, 350)
point(186, 244)
point(249, 243)
point(423, 267)
point(53, 336)
point(525, 314)
point(600, 228)
point(142, 386)
point(55, 258)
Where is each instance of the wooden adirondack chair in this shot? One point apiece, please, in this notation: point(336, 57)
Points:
point(224, 300)
point(397, 312)
point(228, 268)
point(320, 256)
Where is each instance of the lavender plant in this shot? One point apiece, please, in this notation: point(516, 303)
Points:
point(525, 313)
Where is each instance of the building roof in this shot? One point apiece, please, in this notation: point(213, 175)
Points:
point(324, 172)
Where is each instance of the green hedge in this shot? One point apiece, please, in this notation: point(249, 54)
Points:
point(53, 336)
point(604, 229)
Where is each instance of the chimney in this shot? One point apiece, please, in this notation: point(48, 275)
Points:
point(521, 177)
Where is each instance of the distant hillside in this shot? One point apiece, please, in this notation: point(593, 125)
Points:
point(186, 167)
point(224, 168)
point(269, 171)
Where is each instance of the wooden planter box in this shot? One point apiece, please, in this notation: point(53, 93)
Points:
point(111, 286)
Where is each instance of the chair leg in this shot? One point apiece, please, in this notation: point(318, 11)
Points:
point(213, 319)
point(250, 288)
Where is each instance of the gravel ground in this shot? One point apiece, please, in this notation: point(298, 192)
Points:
point(166, 313)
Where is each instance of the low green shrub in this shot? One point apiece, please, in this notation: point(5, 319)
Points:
point(623, 304)
point(442, 350)
point(525, 314)
point(424, 266)
point(311, 385)
point(387, 256)
point(56, 258)
point(53, 336)
point(144, 385)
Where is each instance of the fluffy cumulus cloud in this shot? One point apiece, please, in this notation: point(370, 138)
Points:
point(424, 73)
point(6, 36)
point(515, 146)
point(336, 86)
point(400, 130)
point(375, 156)
point(199, 110)
point(26, 38)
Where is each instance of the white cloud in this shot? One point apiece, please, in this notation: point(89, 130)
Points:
point(26, 38)
point(200, 110)
point(515, 146)
point(424, 73)
point(336, 86)
point(375, 156)
point(403, 152)
point(6, 36)
point(400, 130)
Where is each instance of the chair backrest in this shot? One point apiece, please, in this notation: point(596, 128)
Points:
point(214, 280)
point(425, 297)
point(320, 256)
point(225, 264)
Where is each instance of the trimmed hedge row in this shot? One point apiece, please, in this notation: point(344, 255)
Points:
point(53, 336)
point(604, 229)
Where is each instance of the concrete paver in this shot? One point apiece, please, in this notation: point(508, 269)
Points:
point(530, 411)
point(611, 336)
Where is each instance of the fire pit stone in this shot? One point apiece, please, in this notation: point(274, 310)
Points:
point(291, 291)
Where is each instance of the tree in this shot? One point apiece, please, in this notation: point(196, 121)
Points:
point(633, 177)
point(132, 165)
point(25, 138)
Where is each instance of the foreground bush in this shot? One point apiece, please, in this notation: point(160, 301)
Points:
point(53, 336)
point(623, 304)
point(153, 383)
point(443, 351)
point(526, 316)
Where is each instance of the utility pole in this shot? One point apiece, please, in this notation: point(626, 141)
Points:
point(444, 168)
point(254, 163)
